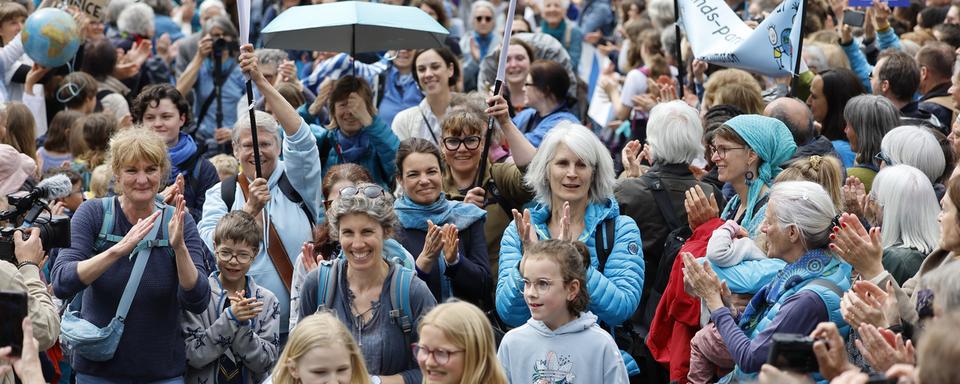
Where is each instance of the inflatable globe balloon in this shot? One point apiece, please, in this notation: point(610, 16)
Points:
point(50, 37)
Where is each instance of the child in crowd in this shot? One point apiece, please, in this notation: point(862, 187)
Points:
point(55, 151)
point(100, 180)
point(561, 343)
point(226, 165)
point(89, 139)
point(320, 350)
point(239, 333)
point(456, 346)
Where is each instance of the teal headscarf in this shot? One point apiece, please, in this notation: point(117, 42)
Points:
point(771, 140)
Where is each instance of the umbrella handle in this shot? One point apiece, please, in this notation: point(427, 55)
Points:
point(253, 130)
point(486, 142)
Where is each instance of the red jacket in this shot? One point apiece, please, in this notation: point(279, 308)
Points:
point(678, 315)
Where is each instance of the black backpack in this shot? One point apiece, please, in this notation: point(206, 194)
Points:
point(228, 190)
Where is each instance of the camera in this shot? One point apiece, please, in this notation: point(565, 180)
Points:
point(221, 45)
point(793, 352)
point(25, 212)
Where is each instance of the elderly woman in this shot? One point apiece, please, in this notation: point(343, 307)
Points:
point(446, 236)
point(904, 206)
point(479, 41)
point(805, 293)
point(162, 108)
point(288, 220)
point(916, 147)
point(98, 264)
point(674, 135)
point(501, 189)
point(362, 220)
point(356, 133)
point(216, 90)
point(868, 118)
point(572, 177)
point(437, 73)
point(554, 23)
point(829, 93)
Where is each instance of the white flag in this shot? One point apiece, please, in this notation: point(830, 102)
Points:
point(719, 37)
point(243, 14)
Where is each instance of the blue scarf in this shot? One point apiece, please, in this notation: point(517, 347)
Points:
point(557, 33)
point(352, 148)
point(483, 42)
point(180, 153)
point(442, 211)
point(814, 264)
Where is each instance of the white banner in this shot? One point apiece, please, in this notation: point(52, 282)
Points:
point(718, 36)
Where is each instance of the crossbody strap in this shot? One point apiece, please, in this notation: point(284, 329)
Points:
point(145, 247)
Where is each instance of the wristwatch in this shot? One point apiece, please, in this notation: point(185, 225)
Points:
point(375, 380)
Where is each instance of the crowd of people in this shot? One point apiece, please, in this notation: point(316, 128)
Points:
point(365, 224)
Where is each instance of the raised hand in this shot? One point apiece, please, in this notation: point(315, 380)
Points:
point(830, 350)
point(249, 65)
point(525, 230)
point(451, 243)
point(308, 257)
point(498, 109)
point(862, 249)
point(433, 242)
point(699, 207)
point(565, 232)
point(631, 156)
point(854, 194)
point(476, 196)
point(135, 234)
point(882, 348)
point(702, 281)
point(358, 108)
point(173, 190)
point(257, 197)
point(864, 304)
point(175, 226)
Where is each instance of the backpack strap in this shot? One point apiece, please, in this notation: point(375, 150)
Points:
point(605, 234)
point(106, 236)
point(828, 285)
point(401, 310)
point(228, 191)
point(327, 275)
point(664, 205)
point(142, 252)
point(294, 196)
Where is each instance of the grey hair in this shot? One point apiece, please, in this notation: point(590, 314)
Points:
point(945, 285)
point(270, 56)
point(265, 122)
point(207, 4)
point(585, 145)
point(910, 208)
point(815, 57)
point(661, 13)
point(483, 3)
point(223, 23)
point(160, 7)
point(871, 117)
point(136, 18)
point(564, 4)
point(668, 39)
point(805, 205)
point(909, 47)
point(115, 8)
point(675, 133)
point(379, 209)
point(916, 147)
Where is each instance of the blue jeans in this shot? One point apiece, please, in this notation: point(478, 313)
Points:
point(87, 379)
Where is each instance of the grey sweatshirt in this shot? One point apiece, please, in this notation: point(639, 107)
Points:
point(577, 352)
point(213, 333)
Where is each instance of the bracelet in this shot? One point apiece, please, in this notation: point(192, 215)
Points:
point(25, 263)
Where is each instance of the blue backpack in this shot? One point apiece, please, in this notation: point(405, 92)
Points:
point(400, 313)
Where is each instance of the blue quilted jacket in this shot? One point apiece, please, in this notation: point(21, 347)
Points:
point(614, 294)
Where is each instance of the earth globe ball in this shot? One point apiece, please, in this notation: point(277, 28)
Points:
point(50, 37)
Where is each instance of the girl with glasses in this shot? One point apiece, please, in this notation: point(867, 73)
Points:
point(457, 346)
point(561, 341)
point(361, 280)
point(446, 237)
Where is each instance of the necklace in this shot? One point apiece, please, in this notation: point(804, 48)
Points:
point(358, 316)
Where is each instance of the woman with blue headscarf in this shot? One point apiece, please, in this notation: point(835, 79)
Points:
point(446, 237)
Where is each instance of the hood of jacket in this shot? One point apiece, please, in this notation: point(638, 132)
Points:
point(580, 324)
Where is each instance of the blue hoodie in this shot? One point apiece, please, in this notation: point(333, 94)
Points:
point(576, 352)
point(614, 294)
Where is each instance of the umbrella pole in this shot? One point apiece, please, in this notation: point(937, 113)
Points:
point(486, 141)
point(253, 129)
point(353, 50)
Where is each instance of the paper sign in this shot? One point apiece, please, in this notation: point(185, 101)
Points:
point(867, 3)
point(93, 8)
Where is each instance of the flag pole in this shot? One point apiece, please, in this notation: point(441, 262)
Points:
point(681, 65)
point(497, 85)
point(799, 56)
point(243, 16)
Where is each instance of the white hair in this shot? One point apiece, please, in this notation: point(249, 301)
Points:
point(916, 147)
point(805, 205)
point(115, 8)
point(587, 147)
point(137, 19)
point(483, 3)
point(661, 13)
point(675, 133)
point(207, 4)
point(910, 208)
point(564, 4)
point(265, 122)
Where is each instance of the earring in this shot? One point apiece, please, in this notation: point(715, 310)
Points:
point(748, 176)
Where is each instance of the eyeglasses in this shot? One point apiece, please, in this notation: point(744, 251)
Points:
point(722, 151)
point(484, 19)
point(442, 356)
point(225, 255)
point(453, 143)
point(540, 286)
point(370, 191)
point(882, 157)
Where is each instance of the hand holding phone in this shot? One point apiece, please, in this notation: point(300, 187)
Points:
point(13, 308)
point(853, 18)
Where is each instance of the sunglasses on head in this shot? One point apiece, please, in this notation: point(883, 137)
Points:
point(369, 191)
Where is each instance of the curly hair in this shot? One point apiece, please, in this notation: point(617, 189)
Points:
point(379, 209)
point(150, 98)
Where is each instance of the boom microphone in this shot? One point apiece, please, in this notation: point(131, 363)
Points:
point(55, 187)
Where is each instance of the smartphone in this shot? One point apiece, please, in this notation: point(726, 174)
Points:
point(793, 352)
point(853, 18)
point(13, 308)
